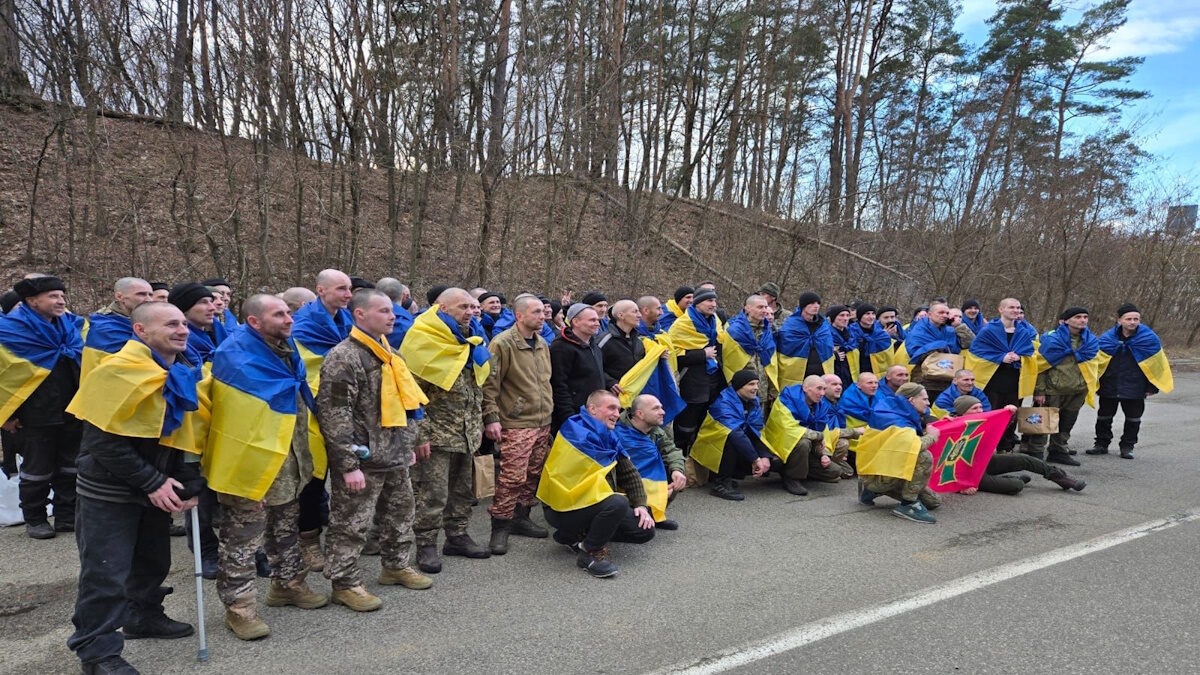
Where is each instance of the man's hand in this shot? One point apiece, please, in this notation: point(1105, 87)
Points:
point(355, 480)
point(825, 461)
point(678, 481)
point(1011, 356)
point(710, 352)
point(644, 520)
point(968, 491)
point(1039, 399)
point(566, 301)
point(165, 499)
point(492, 431)
point(1011, 408)
point(761, 466)
point(11, 425)
point(616, 389)
point(421, 452)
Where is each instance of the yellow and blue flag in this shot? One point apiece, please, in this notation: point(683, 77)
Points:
point(797, 341)
point(106, 335)
point(315, 331)
point(670, 316)
point(922, 338)
point(30, 346)
point(254, 407)
point(202, 345)
point(891, 451)
point(1145, 348)
point(692, 331)
point(945, 401)
point(739, 346)
point(726, 415)
point(989, 348)
point(398, 391)
point(855, 408)
point(1057, 345)
point(575, 475)
point(643, 452)
point(875, 345)
point(436, 351)
point(404, 321)
point(652, 375)
point(894, 411)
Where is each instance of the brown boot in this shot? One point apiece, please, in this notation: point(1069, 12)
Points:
point(296, 593)
point(356, 598)
point(1064, 481)
point(407, 577)
point(242, 618)
point(310, 550)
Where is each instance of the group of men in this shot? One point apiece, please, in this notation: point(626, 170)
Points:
point(350, 409)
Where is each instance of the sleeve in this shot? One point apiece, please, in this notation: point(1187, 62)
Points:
point(741, 444)
point(630, 481)
point(560, 366)
point(963, 332)
point(692, 357)
point(335, 411)
point(672, 456)
point(120, 456)
point(491, 386)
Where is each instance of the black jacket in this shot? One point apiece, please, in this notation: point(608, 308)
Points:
point(696, 385)
point(1123, 378)
point(116, 468)
point(576, 370)
point(620, 352)
point(47, 404)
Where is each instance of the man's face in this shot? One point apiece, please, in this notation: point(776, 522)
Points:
point(1130, 321)
point(956, 316)
point(376, 317)
point(977, 408)
point(601, 307)
point(896, 377)
point(1010, 310)
point(651, 412)
point(586, 324)
point(651, 313)
point(833, 387)
point(939, 315)
point(866, 319)
point(461, 308)
point(814, 391)
point(134, 295)
point(224, 293)
point(531, 317)
point(1077, 322)
point(707, 307)
point(337, 294)
point(810, 310)
point(757, 310)
point(608, 410)
point(687, 300)
point(160, 295)
point(165, 331)
point(971, 312)
point(491, 306)
point(841, 320)
point(51, 304)
point(748, 391)
point(887, 318)
point(772, 301)
point(869, 384)
point(275, 323)
point(201, 314)
point(920, 402)
point(965, 382)
point(218, 302)
point(920, 315)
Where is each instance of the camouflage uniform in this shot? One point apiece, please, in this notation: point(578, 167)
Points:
point(909, 490)
point(1064, 388)
point(272, 523)
point(444, 483)
point(767, 393)
point(348, 404)
point(804, 462)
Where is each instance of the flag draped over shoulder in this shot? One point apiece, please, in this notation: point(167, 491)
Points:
point(1057, 345)
point(790, 417)
point(924, 337)
point(398, 391)
point(876, 346)
point(849, 345)
point(493, 325)
point(575, 475)
point(670, 316)
point(643, 452)
point(726, 415)
point(652, 376)
point(436, 351)
point(1146, 349)
point(404, 321)
point(796, 342)
point(315, 332)
point(945, 400)
point(891, 451)
point(990, 346)
point(695, 331)
point(975, 324)
point(134, 393)
point(254, 398)
point(29, 347)
point(963, 448)
point(894, 411)
point(738, 346)
point(202, 344)
point(106, 335)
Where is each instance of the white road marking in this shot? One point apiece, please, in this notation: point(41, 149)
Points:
point(806, 634)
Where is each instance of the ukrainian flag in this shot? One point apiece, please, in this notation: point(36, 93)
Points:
point(1146, 349)
point(254, 415)
point(888, 452)
point(652, 375)
point(436, 351)
point(106, 335)
point(575, 475)
point(725, 416)
point(314, 333)
point(670, 316)
point(782, 432)
point(796, 342)
point(133, 393)
point(643, 451)
point(877, 345)
point(992, 344)
point(30, 346)
point(737, 343)
point(692, 331)
point(1056, 345)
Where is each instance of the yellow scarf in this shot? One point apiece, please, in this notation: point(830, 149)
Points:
point(398, 391)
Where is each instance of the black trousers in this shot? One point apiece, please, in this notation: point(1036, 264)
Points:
point(1107, 412)
point(208, 512)
point(48, 461)
point(610, 520)
point(314, 505)
point(994, 481)
point(124, 556)
point(687, 425)
point(9, 443)
point(999, 397)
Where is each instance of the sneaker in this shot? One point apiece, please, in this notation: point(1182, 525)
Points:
point(159, 626)
point(666, 524)
point(596, 563)
point(865, 496)
point(42, 530)
point(1126, 453)
point(111, 665)
point(573, 546)
point(726, 489)
point(915, 512)
point(1097, 450)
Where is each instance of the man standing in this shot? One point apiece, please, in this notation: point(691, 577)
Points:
point(222, 290)
point(749, 342)
point(676, 306)
point(846, 355)
point(258, 484)
point(1132, 366)
point(40, 353)
point(1070, 352)
point(695, 339)
point(874, 343)
point(645, 417)
point(621, 345)
point(576, 363)
point(367, 405)
point(161, 290)
point(805, 342)
point(495, 317)
point(577, 488)
point(651, 310)
point(109, 328)
point(973, 315)
point(770, 292)
point(929, 334)
point(401, 301)
point(450, 362)
point(1002, 358)
point(517, 407)
point(205, 333)
point(131, 478)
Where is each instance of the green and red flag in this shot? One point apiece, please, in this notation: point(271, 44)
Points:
point(963, 448)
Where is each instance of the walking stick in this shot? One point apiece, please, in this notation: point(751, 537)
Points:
point(202, 654)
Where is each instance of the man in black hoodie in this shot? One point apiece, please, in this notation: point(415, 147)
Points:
point(621, 345)
point(576, 364)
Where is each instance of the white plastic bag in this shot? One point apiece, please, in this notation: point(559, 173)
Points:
point(10, 502)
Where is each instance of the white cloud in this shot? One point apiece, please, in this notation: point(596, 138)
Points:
point(1163, 29)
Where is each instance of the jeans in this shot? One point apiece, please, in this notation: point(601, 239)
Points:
point(610, 520)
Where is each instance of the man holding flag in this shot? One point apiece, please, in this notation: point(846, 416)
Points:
point(1067, 360)
point(1131, 365)
point(695, 338)
point(894, 457)
point(139, 409)
point(1002, 358)
point(846, 354)
point(40, 353)
point(661, 465)
point(517, 405)
point(577, 487)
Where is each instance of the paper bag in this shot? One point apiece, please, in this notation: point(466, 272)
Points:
point(940, 366)
point(485, 476)
point(697, 475)
point(1037, 421)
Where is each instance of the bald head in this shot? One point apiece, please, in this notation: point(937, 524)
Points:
point(458, 304)
point(756, 308)
point(896, 376)
point(833, 387)
point(296, 297)
point(814, 388)
point(129, 292)
point(650, 309)
point(269, 315)
point(334, 289)
point(625, 313)
point(392, 288)
point(162, 327)
point(868, 382)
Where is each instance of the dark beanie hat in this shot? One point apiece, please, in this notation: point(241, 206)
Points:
point(1121, 311)
point(963, 403)
point(922, 308)
point(741, 378)
point(555, 308)
point(27, 288)
point(593, 298)
point(683, 291)
point(883, 309)
point(8, 301)
point(1072, 311)
point(186, 295)
point(432, 294)
point(969, 303)
point(488, 294)
point(770, 288)
point(864, 308)
point(807, 298)
point(701, 296)
point(159, 286)
point(215, 281)
point(835, 310)
point(355, 283)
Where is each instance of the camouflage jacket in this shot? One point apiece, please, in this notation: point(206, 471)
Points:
point(297, 467)
point(672, 456)
point(453, 419)
point(348, 412)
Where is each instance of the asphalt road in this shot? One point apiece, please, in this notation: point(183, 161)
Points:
point(740, 578)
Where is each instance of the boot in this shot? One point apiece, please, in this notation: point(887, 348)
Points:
point(242, 618)
point(109, 665)
point(498, 544)
point(1064, 481)
point(1062, 458)
point(407, 577)
point(42, 530)
point(794, 487)
point(1126, 452)
point(357, 599)
point(372, 545)
point(310, 550)
point(1097, 449)
point(596, 563)
point(523, 525)
point(296, 593)
point(463, 545)
point(428, 560)
point(158, 626)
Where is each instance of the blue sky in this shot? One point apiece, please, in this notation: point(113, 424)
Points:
point(1167, 34)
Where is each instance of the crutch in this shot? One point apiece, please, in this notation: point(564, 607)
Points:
point(202, 654)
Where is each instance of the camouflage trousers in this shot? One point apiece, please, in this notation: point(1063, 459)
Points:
point(1068, 412)
point(245, 526)
point(907, 490)
point(351, 515)
point(522, 454)
point(444, 487)
point(804, 463)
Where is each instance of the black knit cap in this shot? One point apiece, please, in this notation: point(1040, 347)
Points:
point(215, 281)
point(432, 294)
point(8, 301)
point(1121, 311)
point(701, 296)
point(741, 378)
point(489, 294)
point(683, 291)
point(27, 288)
point(835, 310)
point(160, 286)
point(355, 283)
point(969, 303)
point(1072, 311)
point(186, 295)
point(865, 307)
point(807, 298)
point(883, 309)
point(593, 297)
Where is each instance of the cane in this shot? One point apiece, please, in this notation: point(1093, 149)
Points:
point(202, 654)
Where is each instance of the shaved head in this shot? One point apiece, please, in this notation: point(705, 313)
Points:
point(296, 297)
point(392, 287)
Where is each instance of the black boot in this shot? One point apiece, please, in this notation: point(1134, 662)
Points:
point(1062, 458)
point(428, 560)
point(463, 545)
point(1097, 449)
point(1126, 452)
point(523, 526)
point(498, 544)
point(1060, 477)
point(157, 626)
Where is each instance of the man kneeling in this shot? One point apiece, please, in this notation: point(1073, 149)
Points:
point(577, 487)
